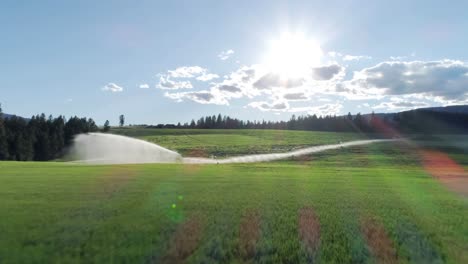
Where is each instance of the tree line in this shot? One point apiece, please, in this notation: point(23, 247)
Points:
point(309, 122)
point(413, 121)
point(39, 138)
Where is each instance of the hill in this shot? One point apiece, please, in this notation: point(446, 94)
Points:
point(459, 109)
point(7, 116)
point(456, 109)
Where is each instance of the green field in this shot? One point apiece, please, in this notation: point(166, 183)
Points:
point(224, 142)
point(365, 204)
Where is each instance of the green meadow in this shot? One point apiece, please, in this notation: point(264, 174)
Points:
point(367, 204)
point(232, 142)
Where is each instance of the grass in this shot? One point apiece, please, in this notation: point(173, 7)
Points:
point(233, 213)
point(224, 142)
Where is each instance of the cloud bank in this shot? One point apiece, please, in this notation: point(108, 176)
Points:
point(444, 80)
point(395, 84)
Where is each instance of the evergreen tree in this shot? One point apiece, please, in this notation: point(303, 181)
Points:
point(40, 138)
point(106, 127)
point(19, 138)
point(56, 136)
point(121, 120)
point(359, 122)
point(41, 144)
point(219, 121)
point(4, 154)
point(91, 125)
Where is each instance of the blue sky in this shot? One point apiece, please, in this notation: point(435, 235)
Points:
point(89, 58)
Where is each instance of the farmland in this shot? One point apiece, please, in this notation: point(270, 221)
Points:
point(365, 204)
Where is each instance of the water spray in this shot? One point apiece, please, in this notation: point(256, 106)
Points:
point(98, 148)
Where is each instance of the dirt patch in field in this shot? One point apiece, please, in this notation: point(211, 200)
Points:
point(198, 152)
point(249, 234)
point(380, 245)
point(309, 229)
point(446, 170)
point(185, 241)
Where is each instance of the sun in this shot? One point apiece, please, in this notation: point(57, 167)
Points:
point(292, 55)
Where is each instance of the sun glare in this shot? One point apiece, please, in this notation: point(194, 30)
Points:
point(292, 55)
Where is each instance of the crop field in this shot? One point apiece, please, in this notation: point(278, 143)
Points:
point(379, 203)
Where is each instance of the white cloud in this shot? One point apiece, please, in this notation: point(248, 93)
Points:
point(344, 57)
point(416, 83)
point(324, 99)
point(187, 72)
point(445, 80)
point(167, 84)
point(240, 82)
point(254, 80)
point(275, 106)
point(272, 80)
point(322, 110)
point(202, 97)
point(283, 106)
point(365, 105)
point(327, 72)
point(356, 57)
point(297, 96)
point(224, 55)
point(398, 58)
point(207, 77)
point(112, 87)
point(334, 54)
point(144, 86)
point(229, 88)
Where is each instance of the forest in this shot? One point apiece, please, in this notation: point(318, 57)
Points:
point(39, 138)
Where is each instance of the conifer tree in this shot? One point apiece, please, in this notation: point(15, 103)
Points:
point(3, 138)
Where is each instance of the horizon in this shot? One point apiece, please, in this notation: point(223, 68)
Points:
point(234, 117)
point(160, 62)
